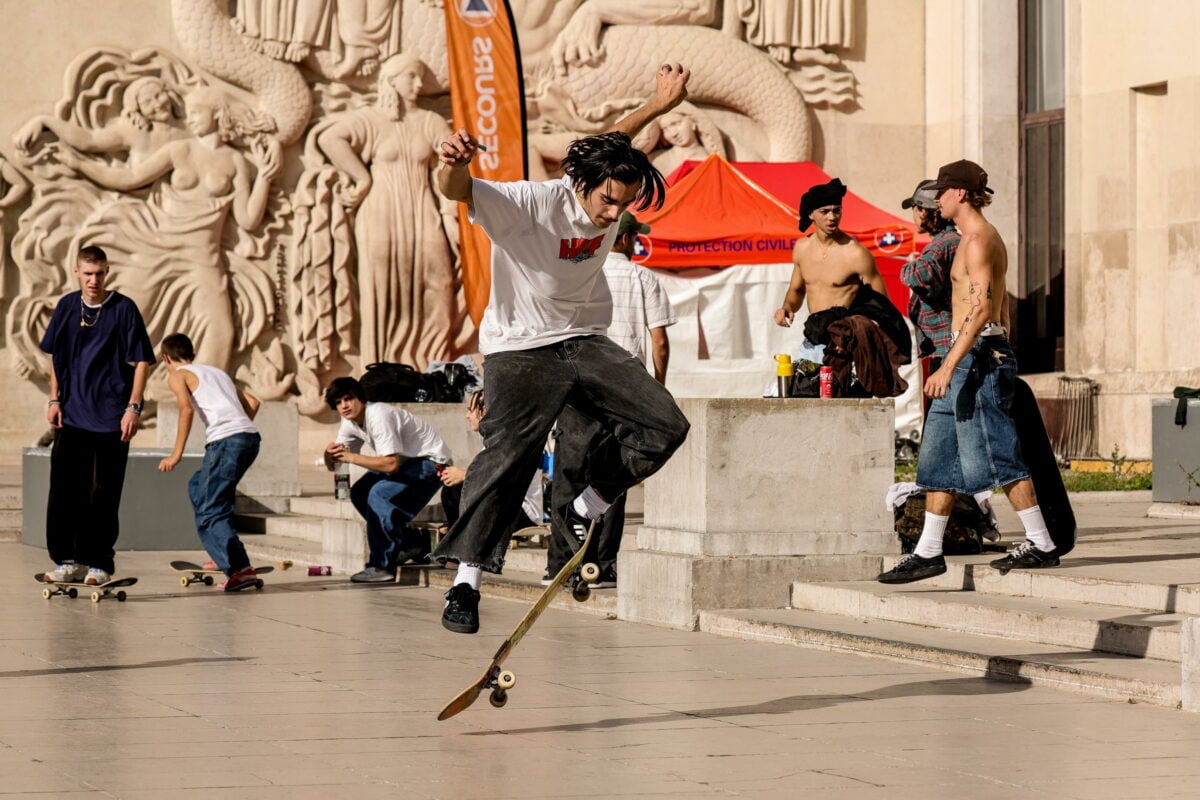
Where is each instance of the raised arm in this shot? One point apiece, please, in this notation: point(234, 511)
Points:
point(125, 179)
point(670, 91)
point(251, 195)
point(455, 153)
point(103, 140)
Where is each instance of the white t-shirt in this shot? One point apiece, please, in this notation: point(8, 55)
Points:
point(639, 302)
point(547, 259)
point(216, 402)
point(393, 431)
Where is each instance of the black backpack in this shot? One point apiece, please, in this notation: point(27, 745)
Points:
point(964, 531)
point(386, 382)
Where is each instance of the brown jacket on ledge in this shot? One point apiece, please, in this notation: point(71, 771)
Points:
point(858, 340)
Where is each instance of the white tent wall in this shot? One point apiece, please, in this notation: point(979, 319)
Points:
point(734, 306)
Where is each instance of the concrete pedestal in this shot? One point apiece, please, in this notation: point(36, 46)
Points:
point(763, 493)
point(1190, 652)
point(155, 511)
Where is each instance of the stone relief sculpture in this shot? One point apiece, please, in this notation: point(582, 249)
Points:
point(367, 196)
point(13, 188)
point(290, 224)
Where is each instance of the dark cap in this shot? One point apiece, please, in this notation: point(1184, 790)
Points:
point(924, 196)
point(962, 174)
point(819, 196)
point(628, 224)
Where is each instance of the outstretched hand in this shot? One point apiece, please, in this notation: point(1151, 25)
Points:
point(457, 149)
point(672, 86)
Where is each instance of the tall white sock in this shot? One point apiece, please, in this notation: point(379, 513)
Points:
point(590, 504)
point(1035, 528)
point(471, 574)
point(930, 543)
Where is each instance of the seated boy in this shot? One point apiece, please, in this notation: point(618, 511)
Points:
point(401, 477)
point(231, 445)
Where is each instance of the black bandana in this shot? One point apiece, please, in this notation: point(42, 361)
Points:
point(826, 194)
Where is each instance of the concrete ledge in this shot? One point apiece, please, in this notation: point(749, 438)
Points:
point(1190, 649)
point(1174, 511)
point(754, 543)
point(344, 544)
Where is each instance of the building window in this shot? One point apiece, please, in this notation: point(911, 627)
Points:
point(1039, 318)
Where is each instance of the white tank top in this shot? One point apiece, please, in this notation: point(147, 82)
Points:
point(216, 401)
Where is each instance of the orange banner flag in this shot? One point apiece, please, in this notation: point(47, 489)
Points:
point(487, 97)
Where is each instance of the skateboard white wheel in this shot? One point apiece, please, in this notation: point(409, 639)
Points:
point(121, 596)
point(72, 593)
point(185, 581)
point(208, 580)
point(498, 698)
point(506, 680)
point(590, 572)
point(580, 592)
point(95, 597)
point(46, 593)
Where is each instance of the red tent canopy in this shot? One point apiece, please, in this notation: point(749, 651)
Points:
point(719, 213)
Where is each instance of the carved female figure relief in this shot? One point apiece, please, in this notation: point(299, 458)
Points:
point(682, 135)
point(404, 233)
point(169, 247)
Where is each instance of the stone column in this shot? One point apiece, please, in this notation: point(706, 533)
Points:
point(763, 493)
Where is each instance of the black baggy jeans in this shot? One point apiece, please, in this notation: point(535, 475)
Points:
point(87, 474)
point(526, 390)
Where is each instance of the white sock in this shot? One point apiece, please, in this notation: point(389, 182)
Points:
point(1035, 528)
point(930, 543)
point(590, 504)
point(470, 574)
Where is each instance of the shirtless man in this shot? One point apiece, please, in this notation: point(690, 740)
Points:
point(970, 441)
point(830, 265)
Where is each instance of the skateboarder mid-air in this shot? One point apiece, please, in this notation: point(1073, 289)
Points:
point(543, 337)
point(970, 442)
point(231, 445)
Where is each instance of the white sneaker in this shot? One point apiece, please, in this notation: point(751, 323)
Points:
point(66, 573)
point(95, 577)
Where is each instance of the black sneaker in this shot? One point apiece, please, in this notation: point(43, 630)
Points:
point(461, 614)
point(913, 568)
point(414, 547)
point(577, 525)
point(1027, 556)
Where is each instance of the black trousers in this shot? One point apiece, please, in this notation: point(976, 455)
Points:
point(577, 439)
point(526, 391)
point(87, 474)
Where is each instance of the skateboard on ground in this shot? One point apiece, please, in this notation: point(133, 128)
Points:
point(534, 534)
point(501, 680)
point(72, 588)
point(199, 574)
point(1039, 457)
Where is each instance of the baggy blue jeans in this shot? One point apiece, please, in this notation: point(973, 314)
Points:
point(213, 490)
point(389, 501)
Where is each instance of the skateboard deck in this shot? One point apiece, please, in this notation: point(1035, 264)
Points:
point(1039, 457)
point(500, 681)
point(71, 589)
point(198, 574)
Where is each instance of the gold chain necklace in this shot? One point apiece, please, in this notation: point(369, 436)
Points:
point(84, 322)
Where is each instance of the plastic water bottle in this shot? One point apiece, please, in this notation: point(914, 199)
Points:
point(783, 374)
point(341, 480)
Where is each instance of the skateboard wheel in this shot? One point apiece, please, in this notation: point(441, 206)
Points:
point(185, 581)
point(95, 597)
point(258, 585)
point(580, 592)
point(121, 596)
point(72, 593)
point(46, 593)
point(208, 580)
point(498, 698)
point(506, 680)
point(590, 572)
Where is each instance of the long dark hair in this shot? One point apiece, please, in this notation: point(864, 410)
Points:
point(593, 160)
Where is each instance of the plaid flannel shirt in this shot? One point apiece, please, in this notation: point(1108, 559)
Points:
point(928, 278)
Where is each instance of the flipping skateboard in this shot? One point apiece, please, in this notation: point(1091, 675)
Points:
point(198, 574)
point(72, 588)
point(1039, 457)
point(501, 680)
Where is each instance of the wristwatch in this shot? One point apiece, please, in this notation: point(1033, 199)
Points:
point(135, 408)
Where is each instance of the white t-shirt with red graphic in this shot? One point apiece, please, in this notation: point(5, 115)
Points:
point(547, 265)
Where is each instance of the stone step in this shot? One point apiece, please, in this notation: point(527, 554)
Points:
point(10, 500)
point(526, 587)
point(1066, 623)
point(274, 549)
point(296, 526)
point(325, 506)
point(10, 535)
point(10, 518)
point(1143, 680)
point(1072, 581)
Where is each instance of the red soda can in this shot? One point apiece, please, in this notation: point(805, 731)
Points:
point(826, 381)
point(320, 570)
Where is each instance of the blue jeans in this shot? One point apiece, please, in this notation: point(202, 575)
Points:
point(389, 501)
point(970, 440)
point(213, 490)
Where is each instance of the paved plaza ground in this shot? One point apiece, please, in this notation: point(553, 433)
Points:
point(319, 688)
